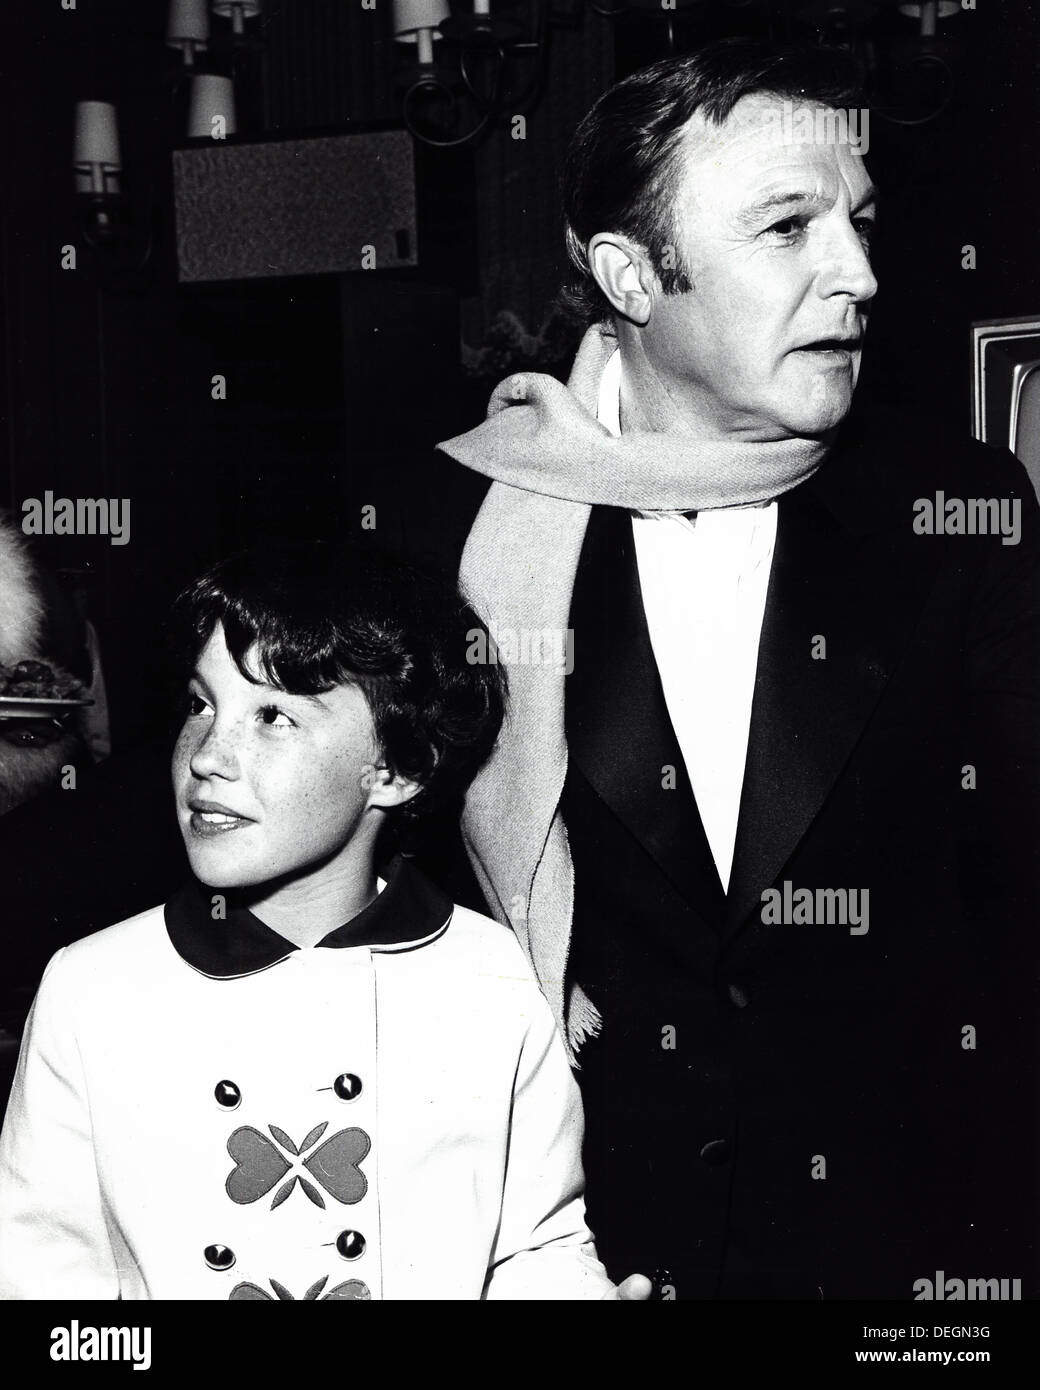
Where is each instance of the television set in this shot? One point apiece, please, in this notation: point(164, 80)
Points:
point(1005, 388)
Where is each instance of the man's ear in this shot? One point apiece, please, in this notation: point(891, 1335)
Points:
point(623, 272)
point(387, 789)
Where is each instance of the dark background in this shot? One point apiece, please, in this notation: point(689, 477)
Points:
point(339, 383)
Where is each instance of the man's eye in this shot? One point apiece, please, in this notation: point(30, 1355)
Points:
point(788, 227)
point(196, 704)
point(275, 718)
point(865, 229)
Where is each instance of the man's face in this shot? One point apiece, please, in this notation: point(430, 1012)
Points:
point(773, 234)
point(268, 784)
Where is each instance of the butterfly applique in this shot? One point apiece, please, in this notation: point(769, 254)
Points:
point(353, 1289)
point(260, 1166)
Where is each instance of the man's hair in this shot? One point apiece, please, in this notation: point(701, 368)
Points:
point(307, 617)
point(623, 166)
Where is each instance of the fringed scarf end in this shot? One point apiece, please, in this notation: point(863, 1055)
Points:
point(584, 1021)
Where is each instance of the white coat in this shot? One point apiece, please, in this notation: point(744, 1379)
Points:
point(203, 1111)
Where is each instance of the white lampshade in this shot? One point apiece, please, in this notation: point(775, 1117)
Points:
point(95, 151)
point(416, 21)
point(238, 10)
point(412, 16)
point(946, 9)
point(928, 12)
point(211, 96)
point(97, 138)
point(188, 23)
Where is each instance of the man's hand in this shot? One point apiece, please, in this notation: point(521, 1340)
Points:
point(637, 1288)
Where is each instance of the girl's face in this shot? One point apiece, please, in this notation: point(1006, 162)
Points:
point(268, 784)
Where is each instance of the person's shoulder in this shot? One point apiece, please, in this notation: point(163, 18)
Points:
point(141, 938)
point(919, 445)
point(885, 461)
point(86, 984)
point(488, 948)
point(462, 938)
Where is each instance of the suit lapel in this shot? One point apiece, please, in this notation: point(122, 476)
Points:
point(845, 570)
point(619, 733)
point(859, 592)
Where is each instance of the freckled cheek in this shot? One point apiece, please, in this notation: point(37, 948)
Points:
point(323, 787)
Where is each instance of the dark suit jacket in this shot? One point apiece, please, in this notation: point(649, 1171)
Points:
point(789, 1110)
point(796, 1110)
point(800, 1110)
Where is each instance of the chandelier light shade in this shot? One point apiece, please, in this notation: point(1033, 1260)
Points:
point(211, 110)
point(96, 157)
point(188, 27)
point(238, 11)
point(927, 12)
point(416, 21)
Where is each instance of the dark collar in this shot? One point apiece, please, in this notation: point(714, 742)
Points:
point(409, 912)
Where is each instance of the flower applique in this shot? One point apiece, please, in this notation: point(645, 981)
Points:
point(260, 1166)
point(353, 1289)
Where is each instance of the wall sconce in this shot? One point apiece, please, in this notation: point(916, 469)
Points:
point(484, 47)
point(211, 109)
point(481, 25)
point(97, 162)
point(232, 55)
point(418, 22)
point(188, 28)
point(929, 12)
point(238, 11)
point(95, 154)
point(121, 228)
point(926, 73)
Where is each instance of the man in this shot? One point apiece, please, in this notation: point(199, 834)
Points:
point(769, 842)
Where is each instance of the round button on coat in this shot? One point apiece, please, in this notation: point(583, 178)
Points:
point(350, 1244)
point(228, 1095)
point(218, 1257)
point(347, 1086)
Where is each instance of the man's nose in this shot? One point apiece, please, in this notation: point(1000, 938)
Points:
point(214, 755)
point(846, 267)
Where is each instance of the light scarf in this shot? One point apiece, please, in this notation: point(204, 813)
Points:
point(551, 462)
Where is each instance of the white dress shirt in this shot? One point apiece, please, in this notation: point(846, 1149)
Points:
point(704, 581)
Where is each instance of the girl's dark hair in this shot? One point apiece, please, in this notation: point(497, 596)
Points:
point(311, 616)
point(623, 166)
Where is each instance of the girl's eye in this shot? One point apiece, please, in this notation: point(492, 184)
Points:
point(196, 704)
point(275, 718)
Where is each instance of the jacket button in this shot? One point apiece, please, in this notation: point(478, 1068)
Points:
point(738, 996)
point(218, 1256)
point(350, 1244)
point(347, 1086)
point(716, 1151)
point(228, 1095)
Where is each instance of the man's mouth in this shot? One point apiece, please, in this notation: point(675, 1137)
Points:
point(842, 345)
